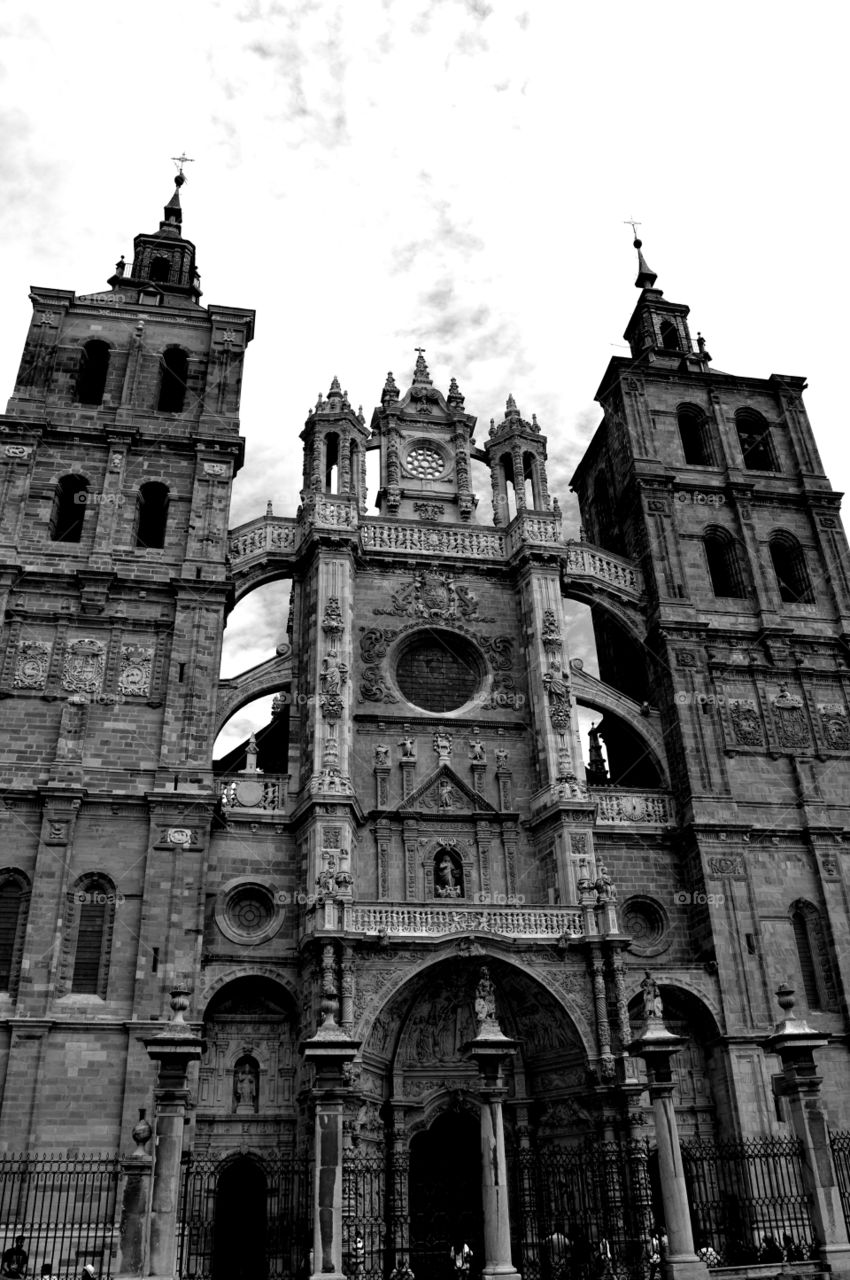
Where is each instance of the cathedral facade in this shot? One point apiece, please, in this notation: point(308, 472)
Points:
point(424, 802)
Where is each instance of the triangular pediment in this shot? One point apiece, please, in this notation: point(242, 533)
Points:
point(445, 792)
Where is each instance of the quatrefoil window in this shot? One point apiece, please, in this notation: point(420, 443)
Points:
point(425, 461)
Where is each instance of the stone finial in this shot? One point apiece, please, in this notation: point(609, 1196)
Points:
point(421, 376)
point(142, 1131)
point(454, 399)
point(786, 998)
point(180, 1000)
point(390, 391)
point(645, 277)
point(511, 410)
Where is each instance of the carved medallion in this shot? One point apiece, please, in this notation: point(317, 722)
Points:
point(31, 665)
point(134, 680)
point(835, 725)
point(746, 721)
point(791, 724)
point(85, 662)
point(437, 596)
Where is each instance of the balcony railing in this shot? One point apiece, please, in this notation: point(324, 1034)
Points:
point(254, 793)
point(624, 807)
point(434, 922)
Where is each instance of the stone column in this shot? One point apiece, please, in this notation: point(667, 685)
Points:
point(489, 1050)
point(800, 1083)
point(174, 1050)
point(656, 1045)
point(136, 1171)
point(329, 1051)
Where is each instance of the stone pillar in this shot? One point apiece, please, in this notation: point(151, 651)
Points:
point(174, 1050)
point(329, 1051)
point(800, 1083)
point(136, 1171)
point(489, 1050)
point(656, 1045)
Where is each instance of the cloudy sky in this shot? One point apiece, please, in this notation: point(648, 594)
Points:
point(375, 175)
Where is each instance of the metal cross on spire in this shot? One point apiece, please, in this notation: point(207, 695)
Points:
point(631, 222)
point(421, 350)
point(181, 160)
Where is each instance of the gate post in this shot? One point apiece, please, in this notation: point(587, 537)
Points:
point(656, 1045)
point(329, 1051)
point(795, 1042)
point(174, 1050)
point(135, 1205)
point(489, 1050)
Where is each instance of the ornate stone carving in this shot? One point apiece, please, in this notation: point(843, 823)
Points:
point(438, 596)
point(448, 540)
point(746, 721)
point(836, 728)
point(477, 751)
point(332, 678)
point(373, 650)
point(557, 691)
point(685, 658)
point(382, 756)
point(434, 921)
point(31, 665)
point(443, 747)
point(429, 510)
point(84, 665)
point(627, 808)
point(550, 634)
point(726, 865)
point(134, 680)
point(332, 623)
point(792, 727)
point(408, 749)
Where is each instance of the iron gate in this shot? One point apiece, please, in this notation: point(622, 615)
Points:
point(66, 1209)
point(208, 1233)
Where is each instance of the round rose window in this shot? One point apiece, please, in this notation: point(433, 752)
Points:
point(439, 671)
point(250, 909)
point(425, 461)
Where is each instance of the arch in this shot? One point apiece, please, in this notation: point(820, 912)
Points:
point(631, 760)
point(69, 509)
point(331, 468)
point(754, 438)
point(531, 482)
point(92, 371)
point(789, 566)
point(173, 382)
point(669, 335)
point(90, 920)
point(14, 904)
point(695, 436)
point(813, 956)
point(274, 676)
point(212, 991)
point(508, 485)
point(401, 992)
point(267, 723)
point(725, 570)
point(354, 484)
point(160, 269)
point(598, 696)
point(151, 514)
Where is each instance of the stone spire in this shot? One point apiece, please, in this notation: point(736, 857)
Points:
point(172, 213)
point(645, 277)
point(421, 376)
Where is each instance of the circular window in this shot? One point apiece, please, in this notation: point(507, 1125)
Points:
point(425, 461)
point(646, 921)
point(439, 671)
point(247, 912)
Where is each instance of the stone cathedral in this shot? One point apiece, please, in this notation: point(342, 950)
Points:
point(425, 803)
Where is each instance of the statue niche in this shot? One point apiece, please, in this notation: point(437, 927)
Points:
point(246, 1080)
point(448, 875)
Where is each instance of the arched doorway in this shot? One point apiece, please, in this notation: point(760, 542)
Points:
point(240, 1227)
point(445, 1194)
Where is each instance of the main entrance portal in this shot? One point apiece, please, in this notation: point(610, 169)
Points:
point(445, 1195)
point(239, 1233)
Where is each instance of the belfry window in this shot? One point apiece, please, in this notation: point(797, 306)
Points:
point(724, 565)
point(331, 462)
point(789, 565)
point(172, 387)
point(160, 270)
point(14, 894)
point(696, 442)
point(92, 905)
point(69, 509)
point(91, 375)
point(669, 336)
point(151, 514)
point(815, 966)
point(754, 438)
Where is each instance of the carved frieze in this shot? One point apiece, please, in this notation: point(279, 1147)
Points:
point(746, 721)
point(436, 596)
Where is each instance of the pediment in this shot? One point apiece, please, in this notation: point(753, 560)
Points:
point(444, 791)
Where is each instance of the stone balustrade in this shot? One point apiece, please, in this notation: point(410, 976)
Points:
point(539, 528)
point(443, 540)
point(582, 560)
point(254, 793)
point(624, 807)
point(268, 533)
point(437, 921)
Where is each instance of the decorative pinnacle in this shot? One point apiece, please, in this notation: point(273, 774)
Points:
point(390, 391)
point(181, 160)
point(454, 398)
point(646, 277)
point(511, 410)
point(335, 392)
point(421, 376)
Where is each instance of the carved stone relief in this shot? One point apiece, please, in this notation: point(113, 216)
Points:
point(31, 665)
point(437, 596)
point(791, 724)
point(836, 727)
point(84, 665)
point(746, 721)
point(134, 680)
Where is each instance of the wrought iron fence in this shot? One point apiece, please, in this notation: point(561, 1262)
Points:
point(840, 1142)
point(583, 1211)
point(245, 1215)
point(375, 1224)
point(62, 1211)
point(748, 1201)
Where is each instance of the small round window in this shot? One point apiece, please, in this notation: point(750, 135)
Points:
point(439, 671)
point(425, 461)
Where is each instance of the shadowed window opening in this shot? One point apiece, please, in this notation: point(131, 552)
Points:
point(724, 566)
point(331, 462)
point(694, 434)
point(151, 514)
point(789, 565)
point(172, 387)
point(91, 376)
point(160, 270)
point(69, 509)
point(755, 440)
point(669, 336)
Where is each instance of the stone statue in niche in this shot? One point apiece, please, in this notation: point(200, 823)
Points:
point(485, 999)
point(448, 880)
point(382, 756)
point(477, 752)
point(408, 749)
point(501, 758)
point(246, 1078)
